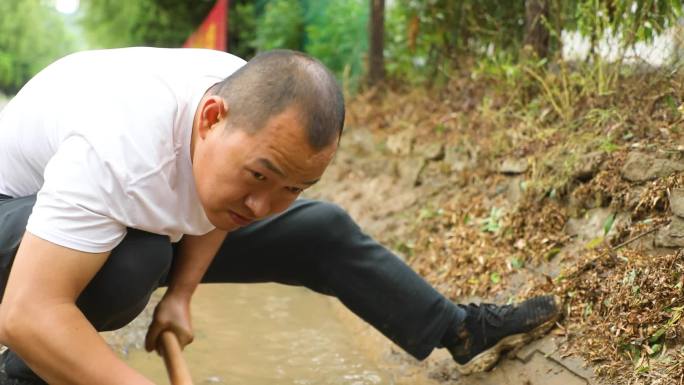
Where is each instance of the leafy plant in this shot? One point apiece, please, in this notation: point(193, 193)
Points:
point(159, 23)
point(281, 26)
point(32, 34)
point(608, 224)
point(242, 29)
point(492, 223)
point(338, 37)
point(516, 262)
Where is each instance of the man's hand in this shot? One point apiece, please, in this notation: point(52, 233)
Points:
point(195, 254)
point(172, 313)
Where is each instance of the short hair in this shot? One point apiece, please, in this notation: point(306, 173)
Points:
point(276, 80)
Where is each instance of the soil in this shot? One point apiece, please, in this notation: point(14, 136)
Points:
point(489, 209)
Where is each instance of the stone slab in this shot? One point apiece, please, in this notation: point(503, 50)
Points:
point(677, 202)
point(642, 167)
point(408, 170)
point(539, 370)
point(512, 166)
point(549, 347)
point(672, 235)
point(588, 165)
point(401, 143)
point(429, 150)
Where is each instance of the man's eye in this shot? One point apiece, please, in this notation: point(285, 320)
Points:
point(294, 190)
point(258, 176)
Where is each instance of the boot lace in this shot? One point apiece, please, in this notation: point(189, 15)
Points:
point(491, 314)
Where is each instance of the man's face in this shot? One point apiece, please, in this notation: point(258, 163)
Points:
point(241, 177)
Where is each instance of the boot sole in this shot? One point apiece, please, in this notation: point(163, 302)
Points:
point(488, 358)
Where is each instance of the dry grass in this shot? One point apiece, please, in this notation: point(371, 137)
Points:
point(624, 305)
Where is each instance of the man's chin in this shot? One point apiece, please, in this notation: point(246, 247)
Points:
point(222, 222)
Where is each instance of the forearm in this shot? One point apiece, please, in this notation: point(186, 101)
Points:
point(40, 321)
point(195, 254)
point(61, 346)
point(192, 260)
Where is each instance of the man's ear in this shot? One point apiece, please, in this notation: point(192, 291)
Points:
point(213, 109)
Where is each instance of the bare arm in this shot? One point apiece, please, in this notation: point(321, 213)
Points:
point(195, 254)
point(194, 257)
point(39, 319)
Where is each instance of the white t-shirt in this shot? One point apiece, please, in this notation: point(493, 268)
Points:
point(103, 137)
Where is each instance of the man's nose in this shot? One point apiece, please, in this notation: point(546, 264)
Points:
point(259, 204)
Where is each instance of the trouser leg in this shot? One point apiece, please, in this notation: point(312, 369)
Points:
point(313, 244)
point(123, 286)
point(317, 245)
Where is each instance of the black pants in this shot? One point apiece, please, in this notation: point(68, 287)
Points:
point(313, 244)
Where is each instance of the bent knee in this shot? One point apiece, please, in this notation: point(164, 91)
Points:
point(328, 217)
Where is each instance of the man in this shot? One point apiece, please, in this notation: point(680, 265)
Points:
point(123, 170)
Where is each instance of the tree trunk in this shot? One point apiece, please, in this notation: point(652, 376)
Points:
point(536, 31)
point(376, 61)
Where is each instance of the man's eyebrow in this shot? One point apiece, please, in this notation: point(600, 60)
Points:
point(269, 165)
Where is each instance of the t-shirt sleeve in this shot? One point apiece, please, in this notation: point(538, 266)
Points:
point(72, 208)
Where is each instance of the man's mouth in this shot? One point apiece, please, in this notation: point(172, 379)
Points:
point(239, 219)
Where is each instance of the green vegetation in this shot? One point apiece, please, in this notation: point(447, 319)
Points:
point(31, 36)
point(280, 26)
point(160, 23)
point(426, 42)
point(334, 31)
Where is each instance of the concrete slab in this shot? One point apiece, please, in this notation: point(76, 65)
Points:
point(550, 348)
point(539, 370)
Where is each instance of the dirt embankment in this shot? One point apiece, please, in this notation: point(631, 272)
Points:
point(494, 200)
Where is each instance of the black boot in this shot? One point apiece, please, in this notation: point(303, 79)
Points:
point(489, 330)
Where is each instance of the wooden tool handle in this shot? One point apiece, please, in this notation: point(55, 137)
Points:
point(179, 374)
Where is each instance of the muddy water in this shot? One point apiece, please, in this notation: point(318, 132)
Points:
point(269, 334)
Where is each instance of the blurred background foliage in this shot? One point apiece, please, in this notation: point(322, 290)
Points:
point(31, 36)
point(118, 23)
point(425, 40)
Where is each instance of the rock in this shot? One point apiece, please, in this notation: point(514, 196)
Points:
point(677, 202)
point(372, 167)
point(461, 157)
point(634, 195)
point(588, 165)
point(641, 167)
point(621, 222)
point(672, 235)
point(401, 143)
point(434, 175)
point(430, 150)
point(592, 225)
point(359, 140)
point(408, 170)
point(515, 190)
point(588, 227)
point(456, 158)
point(513, 166)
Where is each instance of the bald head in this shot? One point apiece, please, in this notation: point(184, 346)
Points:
point(275, 80)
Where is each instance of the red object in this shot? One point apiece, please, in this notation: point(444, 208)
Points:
point(212, 32)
